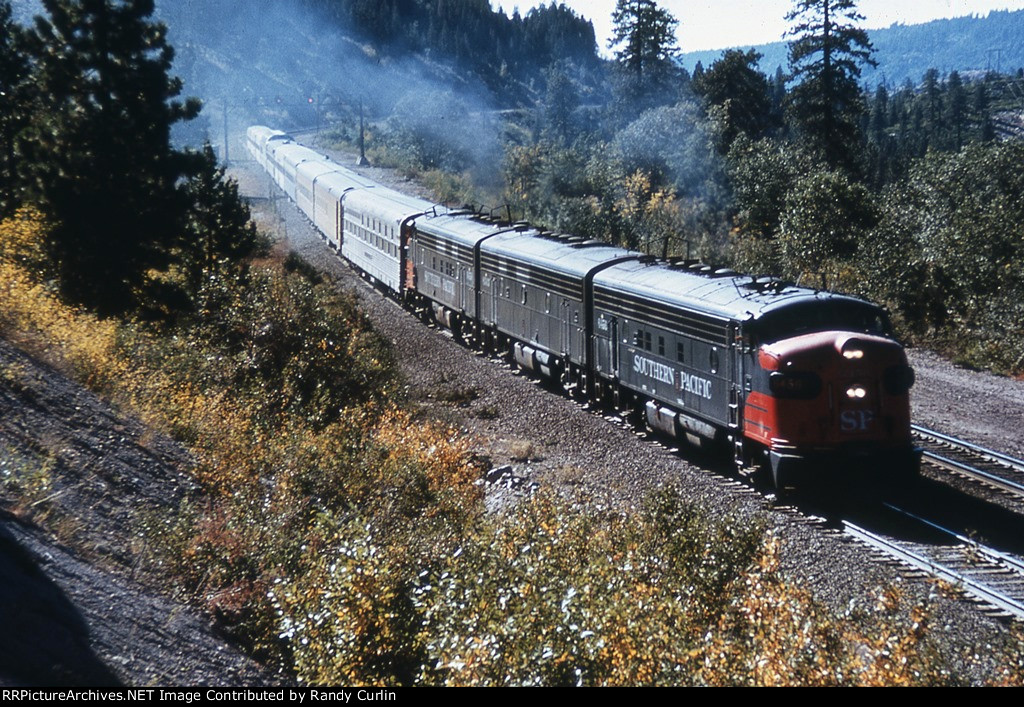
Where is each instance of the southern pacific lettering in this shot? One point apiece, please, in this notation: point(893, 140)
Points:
point(682, 381)
point(655, 370)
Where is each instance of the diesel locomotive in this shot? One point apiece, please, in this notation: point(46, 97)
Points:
point(805, 383)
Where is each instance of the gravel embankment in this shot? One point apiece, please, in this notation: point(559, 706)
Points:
point(980, 407)
point(549, 439)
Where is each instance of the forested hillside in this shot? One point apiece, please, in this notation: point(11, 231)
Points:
point(304, 59)
point(501, 50)
point(905, 52)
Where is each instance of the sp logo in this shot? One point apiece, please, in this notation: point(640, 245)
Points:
point(856, 420)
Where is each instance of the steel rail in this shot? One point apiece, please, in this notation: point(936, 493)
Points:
point(1017, 464)
point(988, 552)
point(1014, 487)
point(985, 593)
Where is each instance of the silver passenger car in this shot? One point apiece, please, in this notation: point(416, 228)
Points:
point(376, 228)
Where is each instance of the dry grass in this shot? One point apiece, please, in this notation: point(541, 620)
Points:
point(522, 450)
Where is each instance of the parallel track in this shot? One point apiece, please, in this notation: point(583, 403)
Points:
point(1000, 471)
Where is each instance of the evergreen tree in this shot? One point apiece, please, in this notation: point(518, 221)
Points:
point(644, 40)
point(932, 104)
point(219, 234)
point(983, 111)
point(646, 34)
point(779, 95)
point(956, 109)
point(98, 154)
point(880, 143)
point(562, 100)
point(825, 57)
point(14, 96)
point(879, 113)
point(741, 93)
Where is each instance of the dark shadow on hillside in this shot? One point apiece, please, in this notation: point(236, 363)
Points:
point(45, 640)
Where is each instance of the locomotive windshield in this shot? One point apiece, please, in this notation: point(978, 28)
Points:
point(810, 317)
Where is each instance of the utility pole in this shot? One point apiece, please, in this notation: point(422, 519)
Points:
point(363, 162)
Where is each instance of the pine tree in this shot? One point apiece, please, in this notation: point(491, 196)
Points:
point(219, 234)
point(645, 35)
point(562, 99)
point(956, 109)
point(932, 106)
point(879, 113)
point(98, 155)
point(825, 57)
point(14, 98)
point(983, 112)
point(741, 93)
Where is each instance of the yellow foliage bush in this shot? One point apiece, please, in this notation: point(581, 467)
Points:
point(31, 313)
point(442, 453)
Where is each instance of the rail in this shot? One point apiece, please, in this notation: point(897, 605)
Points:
point(1008, 568)
point(1000, 481)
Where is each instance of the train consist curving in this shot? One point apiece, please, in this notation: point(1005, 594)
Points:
point(812, 383)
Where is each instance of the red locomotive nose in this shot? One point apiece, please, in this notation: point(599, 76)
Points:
point(832, 397)
point(832, 392)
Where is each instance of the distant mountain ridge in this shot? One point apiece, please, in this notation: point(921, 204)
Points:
point(905, 52)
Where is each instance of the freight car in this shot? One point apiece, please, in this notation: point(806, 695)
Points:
point(804, 382)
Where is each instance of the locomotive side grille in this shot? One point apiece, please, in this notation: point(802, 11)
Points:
point(552, 281)
point(443, 245)
point(713, 330)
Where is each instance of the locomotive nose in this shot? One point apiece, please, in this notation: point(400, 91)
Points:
point(836, 393)
point(854, 387)
point(874, 359)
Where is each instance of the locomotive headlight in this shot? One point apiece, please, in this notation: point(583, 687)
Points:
point(856, 392)
point(853, 354)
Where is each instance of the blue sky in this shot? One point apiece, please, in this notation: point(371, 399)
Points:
point(728, 23)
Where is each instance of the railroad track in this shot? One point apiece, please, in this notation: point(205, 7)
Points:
point(988, 575)
point(971, 461)
point(985, 574)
